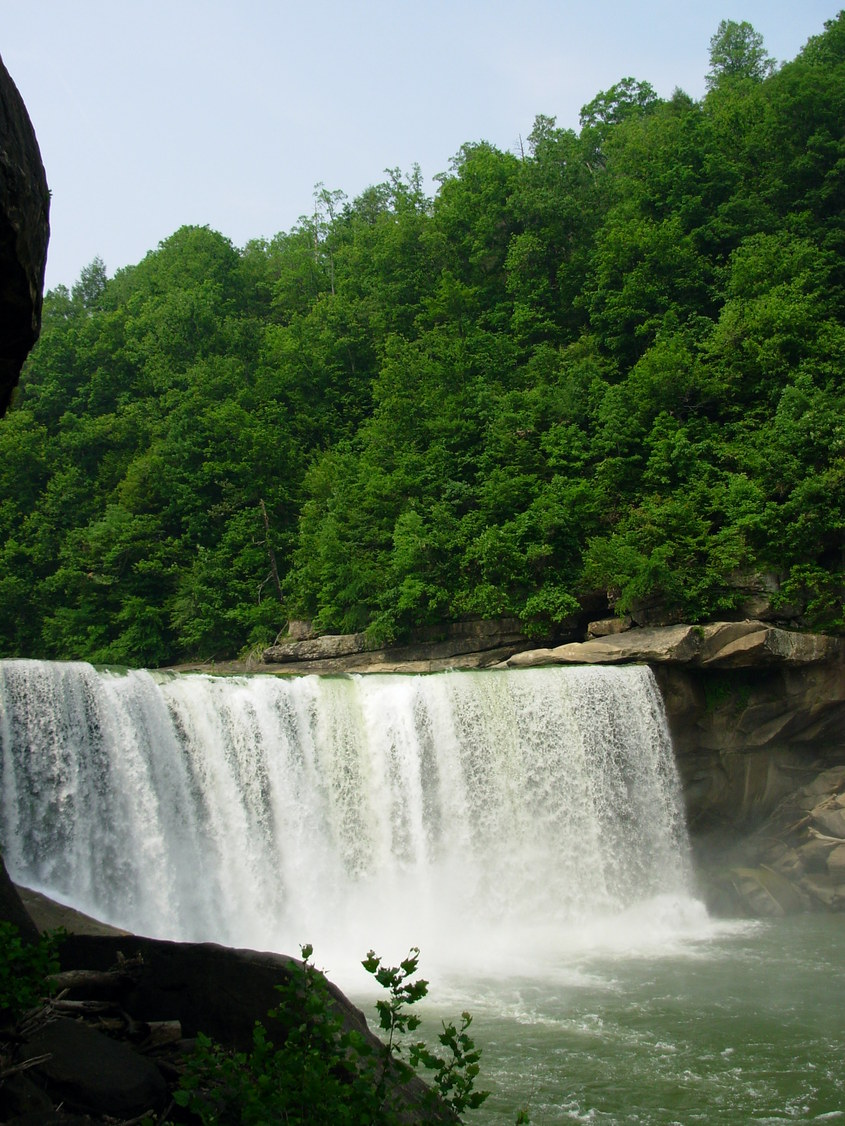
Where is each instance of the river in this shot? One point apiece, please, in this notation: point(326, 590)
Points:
point(744, 1026)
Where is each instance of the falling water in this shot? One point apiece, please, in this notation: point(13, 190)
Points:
point(459, 812)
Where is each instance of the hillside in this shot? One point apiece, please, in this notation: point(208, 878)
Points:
point(610, 363)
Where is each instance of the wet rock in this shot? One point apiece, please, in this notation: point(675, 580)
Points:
point(12, 909)
point(836, 863)
point(830, 819)
point(49, 915)
point(765, 893)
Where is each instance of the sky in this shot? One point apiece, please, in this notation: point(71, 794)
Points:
point(152, 114)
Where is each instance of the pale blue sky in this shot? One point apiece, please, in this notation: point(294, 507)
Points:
point(155, 113)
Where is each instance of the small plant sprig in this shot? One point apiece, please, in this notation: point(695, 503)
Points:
point(453, 1074)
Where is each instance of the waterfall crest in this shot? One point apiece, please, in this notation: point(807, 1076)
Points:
point(262, 811)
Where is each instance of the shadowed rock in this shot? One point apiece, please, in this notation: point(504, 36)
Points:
point(24, 232)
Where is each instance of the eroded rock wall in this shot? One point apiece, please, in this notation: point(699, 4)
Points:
point(761, 753)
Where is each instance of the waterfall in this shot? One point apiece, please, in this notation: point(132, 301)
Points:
point(460, 810)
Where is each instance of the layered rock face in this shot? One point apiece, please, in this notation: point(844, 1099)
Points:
point(467, 645)
point(24, 231)
point(761, 753)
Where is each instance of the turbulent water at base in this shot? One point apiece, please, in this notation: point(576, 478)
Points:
point(467, 813)
point(742, 1027)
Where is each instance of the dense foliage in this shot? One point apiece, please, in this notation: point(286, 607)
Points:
point(611, 363)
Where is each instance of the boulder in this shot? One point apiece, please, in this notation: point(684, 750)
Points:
point(326, 648)
point(95, 1074)
point(223, 992)
point(470, 644)
point(299, 630)
point(762, 645)
point(48, 915)
point(605, 627)
point(679, 644)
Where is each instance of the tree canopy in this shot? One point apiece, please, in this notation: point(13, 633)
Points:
point(611, 363)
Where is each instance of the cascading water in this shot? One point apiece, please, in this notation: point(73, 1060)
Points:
point(457, 812)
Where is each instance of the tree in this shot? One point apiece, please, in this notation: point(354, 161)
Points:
point(88, 291)
point(626, 98)
point(737, 52)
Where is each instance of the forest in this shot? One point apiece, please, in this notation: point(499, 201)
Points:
point(610, 361)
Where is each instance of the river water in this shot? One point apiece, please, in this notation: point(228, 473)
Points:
point(744, 1026)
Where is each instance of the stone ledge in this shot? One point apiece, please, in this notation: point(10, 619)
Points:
point(471, 644)
point(715, 645)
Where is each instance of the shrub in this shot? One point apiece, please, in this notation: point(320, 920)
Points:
point(321, 1073)
point(24, 969)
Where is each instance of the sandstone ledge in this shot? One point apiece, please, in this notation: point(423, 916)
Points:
point(479, 645)
point(715, 645)
point(465, 645)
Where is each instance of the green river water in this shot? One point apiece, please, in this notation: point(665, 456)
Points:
point(746, 1026)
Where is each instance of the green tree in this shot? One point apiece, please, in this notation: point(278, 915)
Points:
point(737, 52)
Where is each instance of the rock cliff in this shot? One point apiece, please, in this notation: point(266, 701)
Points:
point(24, 231)
point(475, 644)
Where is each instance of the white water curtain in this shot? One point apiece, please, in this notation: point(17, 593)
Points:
point(461, 810)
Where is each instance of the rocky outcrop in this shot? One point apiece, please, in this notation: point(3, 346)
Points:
point(327, 647)
point(50, 915)
point(794, 861)
point(504, 644)
point(717, 645)
point(473, 644)
point(12, 909)
point(80, 1067)
point(24, 231)
point(758, 748)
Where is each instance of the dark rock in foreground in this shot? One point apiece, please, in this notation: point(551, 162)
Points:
point(105, 1074)
point(100, 1075)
